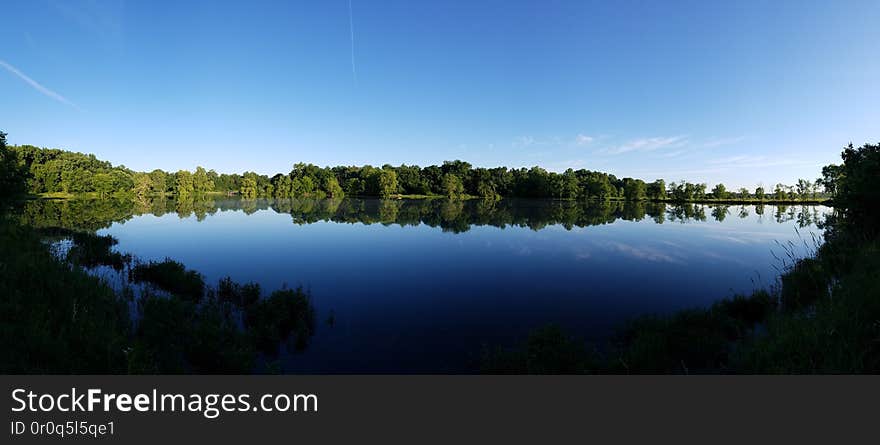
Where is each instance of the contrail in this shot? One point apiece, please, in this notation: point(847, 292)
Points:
point(37, 86)
point(351, 30)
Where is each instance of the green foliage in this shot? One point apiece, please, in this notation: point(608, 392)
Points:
point(184, 185)
point(332, 187)
point(831, 176)
point(159, 182)
point(548, 350)
point(387, 183)
point(452, 186)
point(87, 248)
point(803, 284)
point(857, 188)
point(57, 318)
point(54, 171)
point(176, 336)
point(835, 335)
point(284, 312)
point(657, 190)
point(780, 192)
point(12, 175)
point(806, 189)
point(689, 341)
point(634, 189)
point(248, 188)
point(54, 318)
point(599, 186)
point(171, 276)
point(241, 295)
point(682, 191)
point(202, 183)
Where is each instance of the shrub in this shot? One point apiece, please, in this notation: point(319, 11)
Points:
point(171, 276)
point(274, 319)
point(804, 284)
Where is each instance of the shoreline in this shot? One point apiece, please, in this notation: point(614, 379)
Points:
point(727, 201)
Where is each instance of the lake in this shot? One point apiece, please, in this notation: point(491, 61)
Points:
point(409, 286)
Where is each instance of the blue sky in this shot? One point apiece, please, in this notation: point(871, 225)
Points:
point(738, 92)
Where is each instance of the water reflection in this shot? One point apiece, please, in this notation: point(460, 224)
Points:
point(456, 216)
point(420, 285)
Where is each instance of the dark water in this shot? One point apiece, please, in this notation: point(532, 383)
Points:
point(423, 286)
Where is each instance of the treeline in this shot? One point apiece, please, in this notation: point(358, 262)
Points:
point(52, 171)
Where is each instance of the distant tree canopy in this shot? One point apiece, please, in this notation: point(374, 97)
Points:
point(12, 176)
point(57, 171)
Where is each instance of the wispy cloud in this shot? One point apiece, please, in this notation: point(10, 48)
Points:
point(531, 141)
point(642, 252)
point(648, 144)
point(523, 141)
point(583, 139)
point(755, 161)
point(695, 147)
point(103, 19)
point(36, 85)
point(351, 32)
point(712, 143)
point(674, 154)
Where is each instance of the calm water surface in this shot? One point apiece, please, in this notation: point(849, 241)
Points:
point(423, 286)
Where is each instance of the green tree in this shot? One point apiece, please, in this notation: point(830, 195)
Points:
point(486, 189)
point(12, 175)
point(599, 187)
point(158, 181)
point(779, 192)
point(719, 192)
point(332, 187)
point(759, 193)
point(411, 180)
point(201, 182)
point(634, 189)
point(452, 186)
point(307, 186)
point(184, 183)
point(281, 185)
point(657, 190)
point(682, 191)
point(803, 188)
point(831, 176)
point(103, 184)
point(570, 185)
point(387, 183)
point(75, 179)
point(856, 186)
point(699, 191)
point(248, 188)
point(143, 186)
